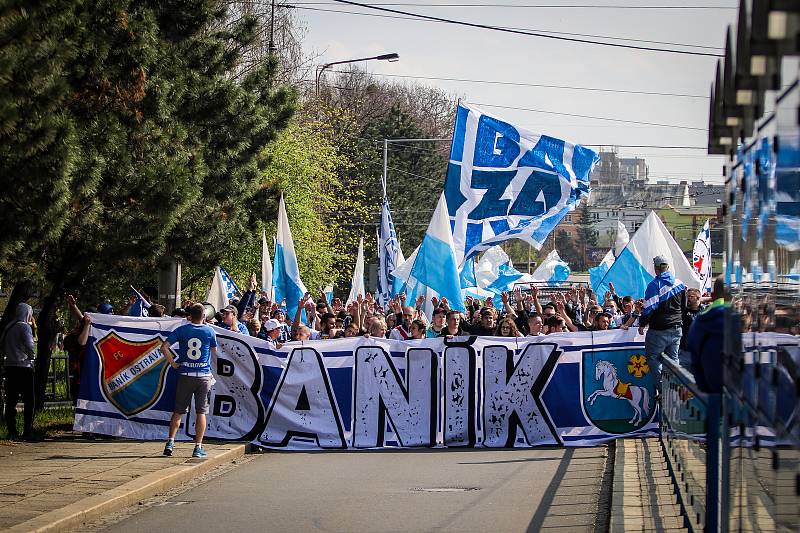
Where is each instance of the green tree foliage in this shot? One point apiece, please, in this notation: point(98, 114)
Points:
point(378, 110)
point(37, 134)
point(162, 144)
point(568, 251)
point(587, 234)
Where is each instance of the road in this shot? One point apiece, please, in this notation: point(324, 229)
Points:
point(541, 489)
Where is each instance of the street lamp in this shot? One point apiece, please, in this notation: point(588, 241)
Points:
point(384, 57)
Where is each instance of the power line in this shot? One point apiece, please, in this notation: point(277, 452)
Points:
point(521, 84)
point(535, 6)
point(523, 32)
point(658, 124)
point(599, 145)
point(549, 32)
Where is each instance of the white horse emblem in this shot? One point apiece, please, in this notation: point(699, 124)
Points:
point(638, 397)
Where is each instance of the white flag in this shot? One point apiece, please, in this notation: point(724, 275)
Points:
point(357, 285)
point(266, 268)
point(218, 292)
point(701, 257)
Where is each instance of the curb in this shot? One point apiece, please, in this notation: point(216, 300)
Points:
point(87, 509)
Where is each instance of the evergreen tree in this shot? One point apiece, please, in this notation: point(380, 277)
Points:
point(567, 250)
point(587, 235)
point(165, 142)
point(37, 134)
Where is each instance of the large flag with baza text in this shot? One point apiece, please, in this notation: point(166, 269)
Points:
point(505, 182)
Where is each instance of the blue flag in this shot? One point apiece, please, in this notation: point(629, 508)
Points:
point(389, 255)
point(504, 182)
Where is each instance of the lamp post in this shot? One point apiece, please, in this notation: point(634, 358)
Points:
point(384, 57)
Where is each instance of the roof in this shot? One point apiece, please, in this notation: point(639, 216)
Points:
point(645, 195)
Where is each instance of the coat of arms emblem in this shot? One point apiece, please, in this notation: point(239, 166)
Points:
point(618, 390)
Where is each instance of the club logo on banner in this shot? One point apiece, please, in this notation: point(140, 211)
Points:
point(618, 390)
point(132, 372)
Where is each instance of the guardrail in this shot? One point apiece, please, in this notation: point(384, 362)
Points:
point(690, 435)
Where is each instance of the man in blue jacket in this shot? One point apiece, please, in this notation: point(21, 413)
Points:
point(664, 301)
point(705, 339)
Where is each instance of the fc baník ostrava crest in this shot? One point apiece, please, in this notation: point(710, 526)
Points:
point(132, 372)
point(618, 389)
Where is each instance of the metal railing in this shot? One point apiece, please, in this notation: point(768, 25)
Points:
point(690, 435)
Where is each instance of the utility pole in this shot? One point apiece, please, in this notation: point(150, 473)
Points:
point(272, 30)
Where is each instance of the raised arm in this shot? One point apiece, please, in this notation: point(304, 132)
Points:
point(72, 304)
point(507, 306)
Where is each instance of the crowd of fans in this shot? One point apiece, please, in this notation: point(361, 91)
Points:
point(514, 314)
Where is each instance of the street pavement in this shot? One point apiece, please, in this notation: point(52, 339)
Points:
point(58, 484)
point(540, 489)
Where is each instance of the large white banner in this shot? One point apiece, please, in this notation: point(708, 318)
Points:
point(575, 389)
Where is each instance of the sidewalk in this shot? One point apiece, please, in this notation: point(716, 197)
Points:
point(643, 497)
point(59, 484)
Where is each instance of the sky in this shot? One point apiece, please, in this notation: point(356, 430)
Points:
point(436, 50)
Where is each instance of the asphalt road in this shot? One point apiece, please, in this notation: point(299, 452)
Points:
point(392, 491)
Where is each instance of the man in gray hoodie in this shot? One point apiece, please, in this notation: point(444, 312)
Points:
point(17, 344)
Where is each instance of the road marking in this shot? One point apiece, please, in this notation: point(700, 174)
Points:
point(444, 489)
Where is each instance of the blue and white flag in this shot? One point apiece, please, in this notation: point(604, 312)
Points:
point(285, 272)
point(328, 290)
point(469, 281)
point(433, 264)
point(495, 273)
point(389, 255)
point(633, 269)
point(504, 182)
point(140, 306)
point(596, 274)
point(231, 289)
point(552, 270)
point(222, 289)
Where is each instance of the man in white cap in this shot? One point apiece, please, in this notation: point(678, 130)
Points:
point(664, 301)
point(273, 330)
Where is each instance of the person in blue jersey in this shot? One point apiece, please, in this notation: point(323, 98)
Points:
point(231, 321)
point(196, 341)
point(662, 314)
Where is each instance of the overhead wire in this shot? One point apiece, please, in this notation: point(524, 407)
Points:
point(524, 32)
point(523, 84)
point(609, 119)
point(538, 6)
point(549, 32)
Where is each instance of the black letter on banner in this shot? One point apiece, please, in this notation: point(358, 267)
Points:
point(459, 394)
point(238, 376)
point(511, 395)
point(224, 367)
point(378, 391)
point(224, 405)
point(305, 377)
